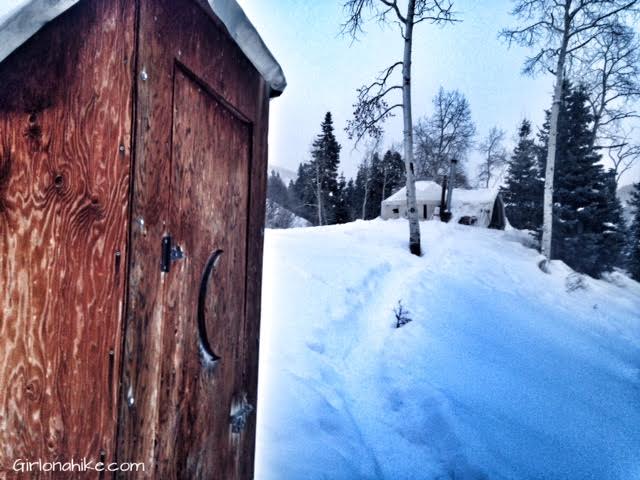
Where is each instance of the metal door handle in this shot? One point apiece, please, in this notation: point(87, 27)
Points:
point(205, 347)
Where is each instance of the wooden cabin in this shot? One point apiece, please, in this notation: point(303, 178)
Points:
point(133, 160)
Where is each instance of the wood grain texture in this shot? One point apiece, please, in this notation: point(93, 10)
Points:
point(65, 112)
point(201, 128)
point(209, 207)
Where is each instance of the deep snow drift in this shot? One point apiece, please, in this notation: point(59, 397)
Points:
point(502, 374)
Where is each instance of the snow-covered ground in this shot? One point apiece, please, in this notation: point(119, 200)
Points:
point(502, 374)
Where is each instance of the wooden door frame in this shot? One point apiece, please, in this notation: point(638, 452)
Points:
point(236, 83)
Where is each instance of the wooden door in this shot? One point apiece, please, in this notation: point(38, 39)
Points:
point(200, 181)
point(202, 380)
point(200, 402)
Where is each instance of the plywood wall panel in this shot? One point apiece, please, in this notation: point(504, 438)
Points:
point(65, 146)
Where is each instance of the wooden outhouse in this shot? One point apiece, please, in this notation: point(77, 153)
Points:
point(133, 159)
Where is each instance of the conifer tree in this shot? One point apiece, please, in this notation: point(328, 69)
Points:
point(587, 230)
point(377, 179)
point(611, 252)
point(633, 249)
point(349, 195)
point(342, 205)
point(324, 168)
point(302, 196)
point(277, 190)
point(522, 193)
point(391, 174)
point(362, 187)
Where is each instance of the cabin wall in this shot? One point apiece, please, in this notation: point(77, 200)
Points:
point(186, 61)
point(65, 155)
point(398, 210)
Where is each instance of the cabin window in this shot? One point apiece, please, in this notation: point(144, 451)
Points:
point(424, 211)
point(396, 210)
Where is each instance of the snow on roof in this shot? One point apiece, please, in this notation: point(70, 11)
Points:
point(26, 17)
point(429, 191)
point(425, 191)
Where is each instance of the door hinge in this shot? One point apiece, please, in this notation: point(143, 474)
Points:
point(170, 253)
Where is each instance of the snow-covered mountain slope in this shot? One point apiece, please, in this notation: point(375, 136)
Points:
point(276, 216)
point(502, 374)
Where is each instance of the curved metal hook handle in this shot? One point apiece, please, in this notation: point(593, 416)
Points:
point(205, 346)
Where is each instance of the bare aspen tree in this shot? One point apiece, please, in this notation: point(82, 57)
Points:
point(561, 30)
point(448, 133)
point(495, 155)
point(318, 192)
point(366, 165)
point(372, 107)
point(610, 69)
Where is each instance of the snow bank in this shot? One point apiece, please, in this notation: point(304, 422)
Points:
point(502, 373)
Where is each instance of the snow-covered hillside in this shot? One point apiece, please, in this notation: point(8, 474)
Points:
point(276, 216)
point(502, 374)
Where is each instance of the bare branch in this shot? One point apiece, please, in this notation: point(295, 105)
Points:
point(448, 133)
point(371, 108)
point(621, 150)
point(563, 27)
point(394, 6)
point(367, 119)
point(433, 11)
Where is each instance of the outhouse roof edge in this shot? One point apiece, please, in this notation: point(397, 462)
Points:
point(27, 17)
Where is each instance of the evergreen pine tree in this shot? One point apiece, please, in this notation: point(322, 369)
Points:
point(633, 249)
point(586, 232)
point(349, 194)
point(376, 180)
point(391, 174)
point(615, 232)
point(342, 204)
point(361, 198)
point(325, 155)
point(277, 190)
point(301, 193)
point(522, 193)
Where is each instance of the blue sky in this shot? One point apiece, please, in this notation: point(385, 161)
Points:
point(324, 70)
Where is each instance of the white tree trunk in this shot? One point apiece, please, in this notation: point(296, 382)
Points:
point(318, 193)
point(384, 183)
point(412, 210)
point(547, 223)
point(366, 190)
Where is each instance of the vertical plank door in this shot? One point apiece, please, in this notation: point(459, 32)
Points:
point(200, 181)
point(205, 297)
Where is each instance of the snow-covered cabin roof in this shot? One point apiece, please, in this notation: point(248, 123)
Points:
point(430, 192)
point(26, 17)
point(425, 191)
